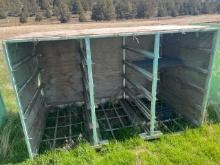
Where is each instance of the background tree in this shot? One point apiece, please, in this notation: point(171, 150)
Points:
point(82, 17)
point(48, 13)
point(3, 14)
point(77, 7)
point(45, 4)
point(141, 9)
point(109, 10)
point(32, 7)
point(63, 13)
point(124, 9)
point(38, 17)
point(86, 4)
point(97, 11)
point(24, 15)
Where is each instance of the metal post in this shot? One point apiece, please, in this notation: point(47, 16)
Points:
point(210, 74)
point(18, 101)
point(91, 90)
point(154, 82)
point(2, 111)
point(124, 69)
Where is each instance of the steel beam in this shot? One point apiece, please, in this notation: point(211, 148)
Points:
point(2, 111)
point(154, 83)
point(91, 91)
point(18, 100)
point(124, 67)
point(147, 74)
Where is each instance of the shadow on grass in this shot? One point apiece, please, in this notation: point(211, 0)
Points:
point(12, 144)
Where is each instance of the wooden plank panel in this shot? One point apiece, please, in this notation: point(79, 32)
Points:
point(61, 71)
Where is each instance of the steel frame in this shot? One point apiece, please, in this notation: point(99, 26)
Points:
point(2, 110)
point(153, 77)
point(89, 85)
point(86, 67)
point(52, 139)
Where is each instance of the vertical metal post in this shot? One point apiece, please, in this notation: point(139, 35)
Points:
point(209, 78)
point(91, 90)
point(124, 69)
point(18, 101)
point(2, 111)
point(154, 83)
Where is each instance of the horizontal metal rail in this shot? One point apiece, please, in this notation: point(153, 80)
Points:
point(60, 138)
point(139, 104)
point(147, 94)
point(29, 80)
point(63, 126)
point(189, 84)
point(140, 51)
point(196, 69)
point(195, 87)
point(147, 74)
point(33, 100)
point(23, 61)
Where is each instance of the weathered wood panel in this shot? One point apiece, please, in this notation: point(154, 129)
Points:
point(182, 87)
point(61, 73)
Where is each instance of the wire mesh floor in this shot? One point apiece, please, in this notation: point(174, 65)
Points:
point(66, 125)
point(114, 121)
point(63, 125)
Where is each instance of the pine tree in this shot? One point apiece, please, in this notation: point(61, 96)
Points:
point(63, 13)
point(24, 15)
point(103, 10)
point(56, 3)
point(82, 17)
point(45, 4)
point(97, 11)
point(48, 13)
point(109, 10)
point(38, 17)
point(124, 9)
point(2, 14)
point(86, 5)
point(141, 9)
point(77, 7)
point(32, 6)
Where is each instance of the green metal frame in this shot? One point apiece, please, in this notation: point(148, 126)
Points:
point(2, 110)
point(153, 77)
point(21, 109)
point(210, 74)
point(91, 106)
point(106, 36)
point(91, 91)
point(154, 83)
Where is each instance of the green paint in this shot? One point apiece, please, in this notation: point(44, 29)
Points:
point(2, 110)
point(214, 96)
point(20, 108)
point(91, 90)
point(154, 82)
point(214, 93)
point(211, 71)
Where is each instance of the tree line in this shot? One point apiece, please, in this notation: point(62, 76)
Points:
point(99, 10)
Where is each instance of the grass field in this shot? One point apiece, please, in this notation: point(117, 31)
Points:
point(194, 146)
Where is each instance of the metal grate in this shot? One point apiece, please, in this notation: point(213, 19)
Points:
point(116, 121)
point(112, 118)
point(169, 121)
point(63, 126)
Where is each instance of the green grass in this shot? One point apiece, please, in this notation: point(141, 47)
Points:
point(197, 146)
point(12, 144)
